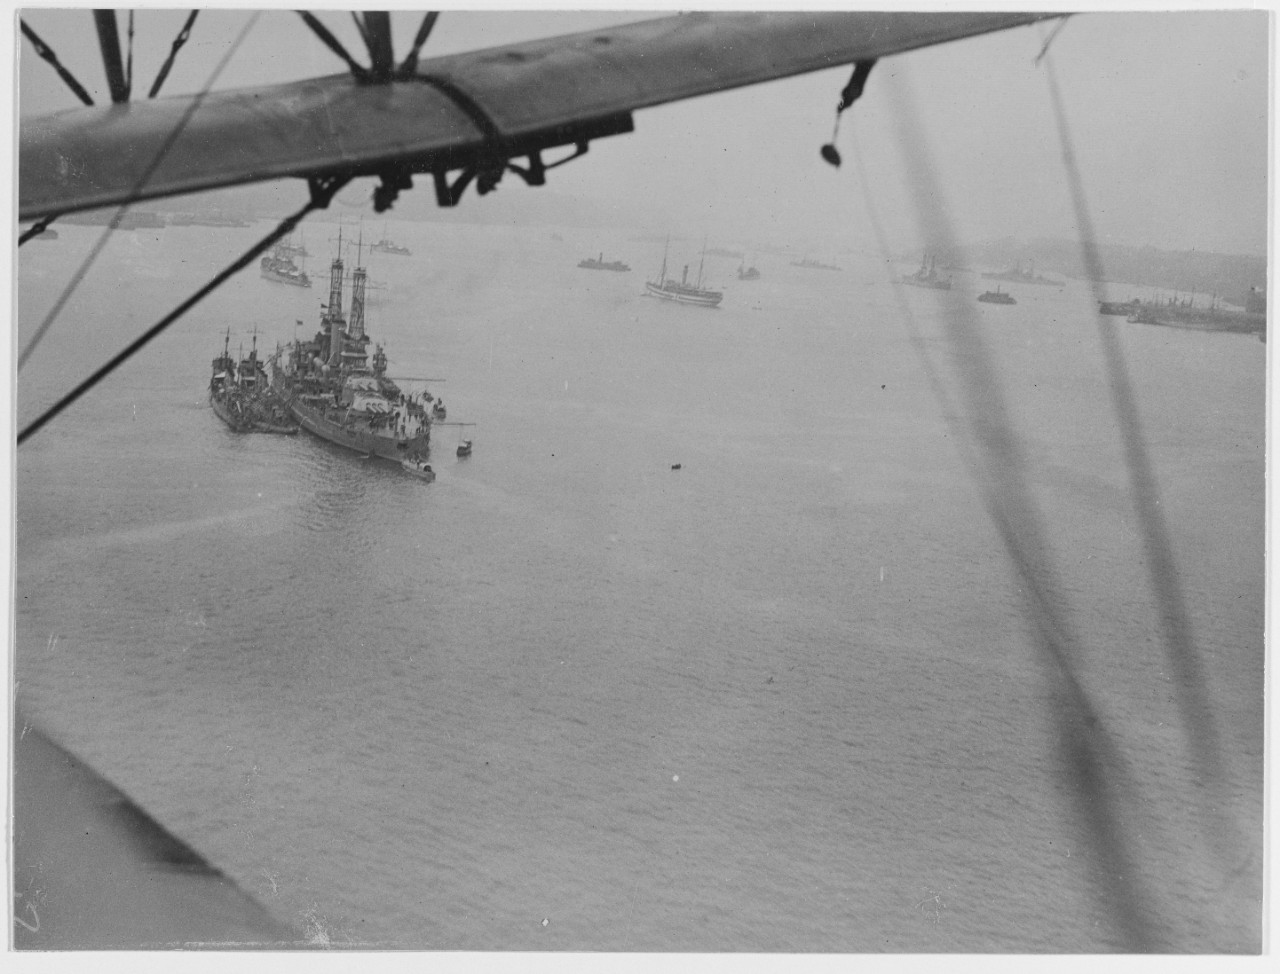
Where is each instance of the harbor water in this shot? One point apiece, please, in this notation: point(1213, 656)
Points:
point(786, 697)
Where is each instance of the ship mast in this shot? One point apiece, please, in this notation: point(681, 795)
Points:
point(702, 261)
point(662, 278)
point(334, 315)
point(356, 329)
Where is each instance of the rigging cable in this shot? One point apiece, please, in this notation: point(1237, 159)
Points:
point(318, 201)
point(133, 195)
point(37, 228)
point(173, 53)
point(46, 52)
point(1174, 619)
point(410, 64)
point(333, 44)
point(1087, 753)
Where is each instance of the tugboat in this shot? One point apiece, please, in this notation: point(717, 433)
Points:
point(927, 276)
point(746, 273)
point(599, 264)
point(241, 396)
point(996, 297)
point(682, 292)
point(335, 391)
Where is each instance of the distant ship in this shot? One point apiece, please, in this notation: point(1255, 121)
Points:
point(1120, 308)
point(814, 265)
point(996, 297)
point(682, 291)
point(241, 395)
point(1017, 275)
point(335, 391)
point(278, 266)
point(385, 246)
point(196, 220)
point(746, 273)
point(927, 276)
point(599, 264)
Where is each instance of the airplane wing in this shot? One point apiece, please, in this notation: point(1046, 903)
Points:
point(92, 870)
point(470, 111)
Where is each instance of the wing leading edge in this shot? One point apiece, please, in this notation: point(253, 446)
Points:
point(470, 111)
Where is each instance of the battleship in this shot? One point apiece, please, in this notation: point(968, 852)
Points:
point(336, 391)
point(927, 276)
point(278, 266)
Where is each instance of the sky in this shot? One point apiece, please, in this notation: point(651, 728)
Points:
point(1168, 113)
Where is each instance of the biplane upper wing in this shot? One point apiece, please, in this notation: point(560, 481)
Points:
point(470, 112)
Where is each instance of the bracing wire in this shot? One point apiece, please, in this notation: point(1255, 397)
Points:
point(333, 44)
point(1174, 618)
point(46, 53)
point(287, 226)
point(410, 63)
point(101, 242)
point(990, 449)
point(173, 54)
point(35, 229)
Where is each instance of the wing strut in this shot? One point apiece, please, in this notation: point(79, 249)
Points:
point(109, 42)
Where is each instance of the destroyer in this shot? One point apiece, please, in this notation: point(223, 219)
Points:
point(335, 391)
point(242, 397)
point(600, 264)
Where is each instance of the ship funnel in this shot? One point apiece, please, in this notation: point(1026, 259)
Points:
point(684, 278)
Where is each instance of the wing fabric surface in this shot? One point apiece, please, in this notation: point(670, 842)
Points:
point(457, 111)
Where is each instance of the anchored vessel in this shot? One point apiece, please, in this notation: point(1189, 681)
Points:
point(814, 265)
point(278, 266)
point(599, 264)
point(241, 395)
point(385, 246)
point(336, 391)
point(746, 273)
point(927, 276)
point(682, 291)
point(1018, 276)
point(997, 297)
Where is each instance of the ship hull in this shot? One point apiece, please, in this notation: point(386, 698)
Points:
point(222, 409)
point(269, 275)
point(361, 440)
point(701, 299)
